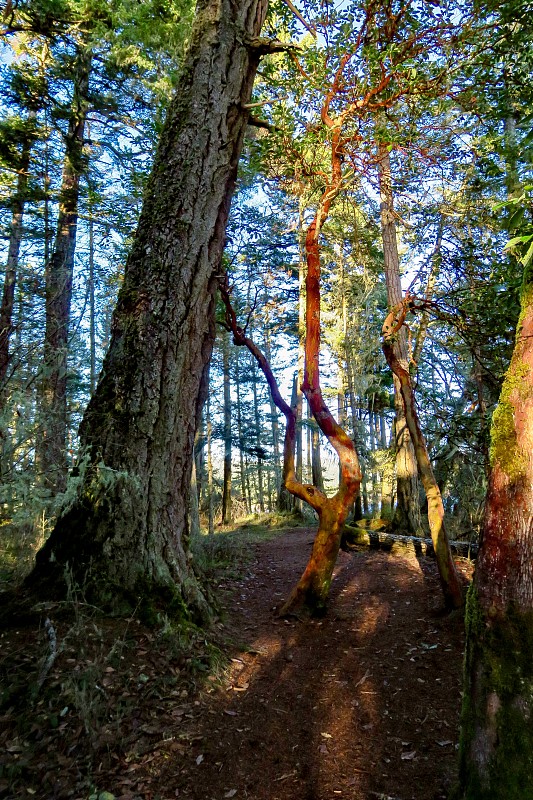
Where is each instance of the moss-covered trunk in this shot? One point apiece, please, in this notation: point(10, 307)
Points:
point(497, 722)
point(123, 530)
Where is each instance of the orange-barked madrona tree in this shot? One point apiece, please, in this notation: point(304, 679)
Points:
point(123, 529)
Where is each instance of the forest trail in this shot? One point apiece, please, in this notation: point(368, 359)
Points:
point(361, 704)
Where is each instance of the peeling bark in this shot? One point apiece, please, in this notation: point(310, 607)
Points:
point(123, 531)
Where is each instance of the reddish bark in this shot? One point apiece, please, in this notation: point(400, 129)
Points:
point(497, 735)
point(311, 591)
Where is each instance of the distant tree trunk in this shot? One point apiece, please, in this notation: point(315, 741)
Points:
point(274, 417)
point(496, 756)
point(124, 528)
point(258, 446)
point(301, 348)
point(356, 437)
point(316, 460)
point(92, 308)
point(210, 486)
point(240, 435)
point(10, 280)
point(449, 577)
point(226, 485)
point(52, 446)
point(194, 508)
point(407, 514)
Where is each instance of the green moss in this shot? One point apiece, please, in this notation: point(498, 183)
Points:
point(504, 447)
point(498, 664)
point(152, 603)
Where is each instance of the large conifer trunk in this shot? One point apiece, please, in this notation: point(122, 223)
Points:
point(497, 729)
point(124, 530)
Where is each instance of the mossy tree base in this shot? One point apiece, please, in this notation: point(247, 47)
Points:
point(497, 718)
point(117, 565)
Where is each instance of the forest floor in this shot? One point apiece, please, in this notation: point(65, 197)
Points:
point(362, 704)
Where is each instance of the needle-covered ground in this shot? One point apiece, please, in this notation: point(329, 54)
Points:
point(361, 704)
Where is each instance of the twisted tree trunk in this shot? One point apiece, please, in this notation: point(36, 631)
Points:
point(449, 577)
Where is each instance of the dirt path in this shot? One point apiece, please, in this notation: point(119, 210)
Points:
point(360, 705)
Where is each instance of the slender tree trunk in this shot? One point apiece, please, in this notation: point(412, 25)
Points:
point(194, 507)
point(301, 349)
point(241, 437)
point(258, 446)
point(341, 399)
point(124, 531)
point(356, 437)
point(274, 417)
point(10, 280)
point(407, 514)
point(226, 486)
point(210, 484)
point(92, 309)
point(449, 577)
point(51, 448)
point(316, 460)
point(496, 755)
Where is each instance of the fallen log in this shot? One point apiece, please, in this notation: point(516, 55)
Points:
point(355, 537)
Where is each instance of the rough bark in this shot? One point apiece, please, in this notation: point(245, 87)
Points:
point(124, 529)
point(407, 513)
point(497, 735)
point(449, 577)
point(52, 444)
